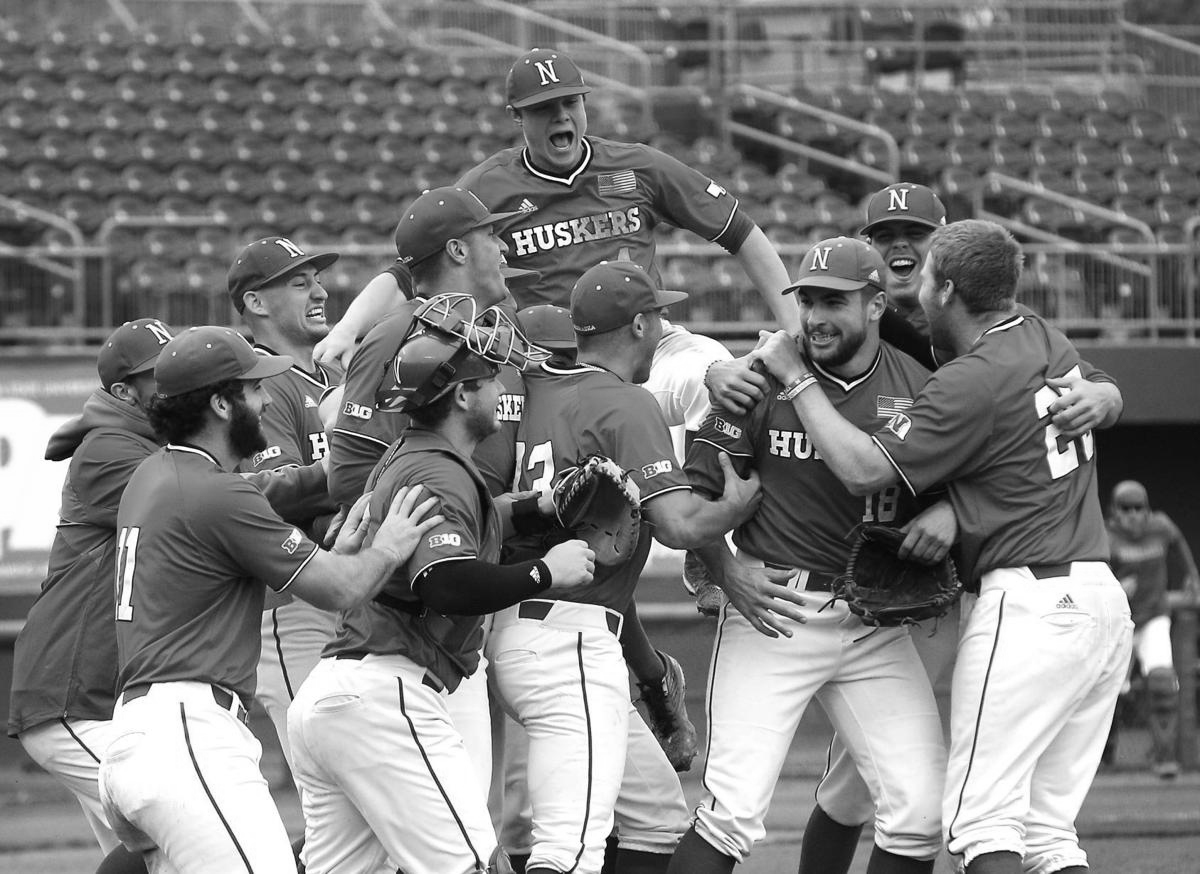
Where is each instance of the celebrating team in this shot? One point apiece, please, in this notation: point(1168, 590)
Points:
point(446, 569)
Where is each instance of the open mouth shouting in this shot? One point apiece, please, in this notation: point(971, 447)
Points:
point(315, 313)
point(562, 142)
point(902, 266)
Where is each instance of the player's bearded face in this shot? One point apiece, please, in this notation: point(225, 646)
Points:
point(834, 326)
point(245, 429)
point(554, 132)
point(483, 414)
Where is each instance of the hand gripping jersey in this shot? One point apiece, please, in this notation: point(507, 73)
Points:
point(1022, 494)
point(584, 410)
point(396, 621)
point(196, 545)
point(611, 202)
point(806, 513)
point(65, 659)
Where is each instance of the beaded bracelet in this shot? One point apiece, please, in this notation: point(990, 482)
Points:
point(796, 386)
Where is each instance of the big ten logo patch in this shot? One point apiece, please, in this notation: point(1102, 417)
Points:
point(266, 455)
point(510, 407)
point(32, 490)
point(445, 539)
point(790, 444)
point(357, 411)
point(555, 235)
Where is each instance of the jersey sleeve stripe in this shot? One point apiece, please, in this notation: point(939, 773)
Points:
point(728, 221)
point(301, 567)
point(646, 497)
point(720, 448)
point(426, 567)
point(358, 436)
point(893, 463)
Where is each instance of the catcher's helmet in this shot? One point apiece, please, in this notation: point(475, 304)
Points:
point(429, 364)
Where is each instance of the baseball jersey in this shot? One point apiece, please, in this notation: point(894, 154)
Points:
point(574, 412)
point(65, 658)
point(396, 621)
point(1156, 558)
point(612, 201)
point(294, 433)
point(1022, 494)
point(806, 514)
point(195, 547)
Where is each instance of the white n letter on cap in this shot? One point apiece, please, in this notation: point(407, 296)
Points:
point(546, 71)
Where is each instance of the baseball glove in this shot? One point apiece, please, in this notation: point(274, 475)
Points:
point(598, 502)
point(661, 706)
point(886, 590)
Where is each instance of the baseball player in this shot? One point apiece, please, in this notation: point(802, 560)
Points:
point(1044, 649)
point(572, 201)
point(197, 547)
point(386, 676)
point(65, 658)
point(276, 287)
point(557, 663)
point(870, 683)
point(899, 220)
point(1155, 566)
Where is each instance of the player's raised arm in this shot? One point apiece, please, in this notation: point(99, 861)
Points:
point(766, 270)
point(378, 298)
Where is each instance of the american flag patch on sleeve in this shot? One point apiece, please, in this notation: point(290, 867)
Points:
point(616, 183)
point(886, 407)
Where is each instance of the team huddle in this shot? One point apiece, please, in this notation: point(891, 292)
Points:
point(357, 526)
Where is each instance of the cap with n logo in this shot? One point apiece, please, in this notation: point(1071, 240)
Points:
point(130, 349)
point(904, 202)
point(841, 264)
point(541, 75)
point(266, 260)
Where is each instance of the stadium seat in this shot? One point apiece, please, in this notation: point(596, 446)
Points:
point(1152, 126)
point(329, 212)
point(85, 212)
point(88, 90)
point(1052, 178)
point(1033, 102)
point(322, 91)
point(211, 150)
point(1093, 184)
point(373, 94)
point(1096, 154)
point(1135, 183)
point(16, 149)
point(205, 277)
point(220, 119)
point(172, 119)
point(122, 119)
point(448, 151)
point(145, 181)
point(1187, 126)
point(89, 177)
point(348, 149)
point(21, 115)
point(920, 161)
point(450, 121)
point(493, 121)
point(235, 212)
point(257, 150)
point(314, 122)
point(374, 211)
point(60, 147)
point(158, 148)
point(957, 180)
point(1135, 208)
point(854, 101)
point(414, 95)
point(361, 121)
point(971, 126)
point(969, 154)
point(1105, 126)
point(387, 179)
point(281, 211)
point(987, 103)
point(380, 64)
point(242, 62)
point(335, 64)
point(36, 87)
point(1051, 216)
point(337, 180)
point(397, 151)
point(1061, 126)
point(1170, 210)
point(304, 149)
point(898, 125)
point(194, 181)
point(79, 119)
point(1142, 155)
point(289, 180)
point(129, 205)
point(150, 61)
point(1052, 154)
point(262, 118)
point(1183, 153)
point(198, 62)
point(1015, 126)
point(218, 244)
point(1178, 181)
point(275, 90)
point(242, 180)
point(425, 176)
point(1115, 102)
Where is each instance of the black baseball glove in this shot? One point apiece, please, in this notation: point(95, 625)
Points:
point(598, 503)
point(886, 590)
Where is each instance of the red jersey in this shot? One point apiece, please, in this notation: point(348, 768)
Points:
point(1022, 494)
point(611, 202)
point(1158, 559)
point(65, 658)
point(583, 410)
point(806, 514)
point(294, 433)
point(195, 547)
point(396, 621)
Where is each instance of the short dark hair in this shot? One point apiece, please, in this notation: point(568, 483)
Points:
point(175, 419)
point(981, 258)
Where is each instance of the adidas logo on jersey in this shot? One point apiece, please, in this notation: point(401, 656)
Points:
point(526, 205)
point(309, 403)
point(1066, 602)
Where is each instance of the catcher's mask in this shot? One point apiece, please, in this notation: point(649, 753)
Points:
point(449, 343)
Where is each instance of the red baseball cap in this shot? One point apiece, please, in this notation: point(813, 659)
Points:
point(841, 264)
point(130, 349)
point(904, 202)
point(438, 216)
point(265, 260)
point(540, 75)
point(610, 294)
point(209, 354)
point(548, 326)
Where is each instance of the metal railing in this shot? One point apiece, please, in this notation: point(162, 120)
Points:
point(1172, 68)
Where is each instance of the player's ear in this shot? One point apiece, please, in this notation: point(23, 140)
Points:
point(514, 115)
point(255, 303)
point(876, 304)
point(456, 249)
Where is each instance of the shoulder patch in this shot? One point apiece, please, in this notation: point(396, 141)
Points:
point(650, 471)
point(714, 190)
point(270, 452)
point(728, 428)
point(358, 411)
point(899, 425)
point(886, 407)
point(292, 543)
point(448, 538)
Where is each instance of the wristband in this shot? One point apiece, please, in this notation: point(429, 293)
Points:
point(540, 575)
point(526, 518)
point(796, 386)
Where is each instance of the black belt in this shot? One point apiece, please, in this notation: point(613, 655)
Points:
point(428, 680)
point(223, 698)
point(1049, 571)
point(541, 609)
point(816, 582)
